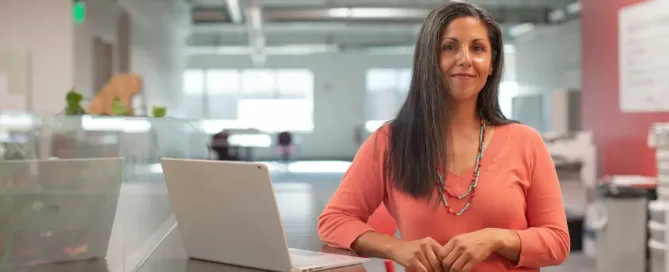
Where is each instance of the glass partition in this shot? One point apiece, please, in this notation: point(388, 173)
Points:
point(81, 187)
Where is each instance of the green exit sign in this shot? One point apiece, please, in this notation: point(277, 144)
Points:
point(79, 12)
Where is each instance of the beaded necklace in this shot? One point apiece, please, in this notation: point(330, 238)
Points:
point(441, 184)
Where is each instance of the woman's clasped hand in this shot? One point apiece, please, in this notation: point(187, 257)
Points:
point(462, 253)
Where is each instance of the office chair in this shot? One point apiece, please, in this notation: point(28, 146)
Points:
point(286, 146)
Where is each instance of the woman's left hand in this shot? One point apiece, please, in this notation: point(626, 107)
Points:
point(463, 252)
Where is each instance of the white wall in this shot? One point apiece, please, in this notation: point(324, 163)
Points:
point(339, 95)
point(549, 58)
point(160, 59)
point(61, 53)
point(157, 42)
point(102, 22)
point(43, 31)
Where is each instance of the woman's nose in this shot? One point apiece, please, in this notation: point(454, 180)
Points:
point(463, 57)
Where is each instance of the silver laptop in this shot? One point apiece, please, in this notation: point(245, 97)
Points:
point(57, 210)
point(227, 213)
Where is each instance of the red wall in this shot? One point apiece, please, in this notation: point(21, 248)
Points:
point(621, 138)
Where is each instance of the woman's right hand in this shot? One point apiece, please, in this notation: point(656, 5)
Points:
point(418, 255)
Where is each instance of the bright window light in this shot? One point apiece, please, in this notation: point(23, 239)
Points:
point(216, 126)
point(114, 124)
point(16, 121)
point(310, 167)
point(194, 81)
point(275, 115)
point(250, 140)
point(373, 125)
point(507, 91)
point(521, 29)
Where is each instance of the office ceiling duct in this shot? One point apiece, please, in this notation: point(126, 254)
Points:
point(254, 24)
point(348, 14)
point(503, 14)
point(350, 25)
point(234, 10)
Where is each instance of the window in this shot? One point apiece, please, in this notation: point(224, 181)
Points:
point(266, 99)
point(381, 80)
point(507, 91)
point(295, 82)
point(284, 83)
point(275, 115)
point(193, 82)
point(508, 88)
point(386, 90)
point(223, 82)
point(257, 81)
point(277, 100)
point(404, 82)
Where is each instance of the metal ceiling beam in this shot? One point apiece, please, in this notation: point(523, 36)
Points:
point(428, 4)
point(503, 14)
point(215, 15)
point(305, 38)
point(307, 28)
point(254, 24)
point(346, 27)
point(234, 11)
point(349, 14)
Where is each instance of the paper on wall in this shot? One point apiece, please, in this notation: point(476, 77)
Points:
point(643, 38)
point(3, 83)
point(9, 101)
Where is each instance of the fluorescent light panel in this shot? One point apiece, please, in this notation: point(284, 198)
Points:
point(296, 49)
point(521, 29)
point(574, 7)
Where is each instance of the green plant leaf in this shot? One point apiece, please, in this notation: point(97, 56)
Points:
point(159, 112)
point(73, 103)
point(119, 108)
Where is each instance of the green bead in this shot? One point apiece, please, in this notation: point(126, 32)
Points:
point(472, 186)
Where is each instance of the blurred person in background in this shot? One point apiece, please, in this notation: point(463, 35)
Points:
point(286, 147)
point(222, 148)
point(470, 190)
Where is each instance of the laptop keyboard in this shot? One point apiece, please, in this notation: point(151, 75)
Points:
point(305, 253)
point(301, 258)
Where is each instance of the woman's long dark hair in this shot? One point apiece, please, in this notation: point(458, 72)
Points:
point(419, 134)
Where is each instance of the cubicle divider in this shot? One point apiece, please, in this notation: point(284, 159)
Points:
point(143, 213)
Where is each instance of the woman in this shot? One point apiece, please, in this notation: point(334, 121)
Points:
point(470, 190)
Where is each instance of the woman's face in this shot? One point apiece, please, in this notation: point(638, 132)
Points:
point(465, 57)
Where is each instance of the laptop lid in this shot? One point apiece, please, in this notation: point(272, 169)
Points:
point(226, 212)
point(57, 210)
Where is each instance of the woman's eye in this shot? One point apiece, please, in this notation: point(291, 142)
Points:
point(449, 47)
